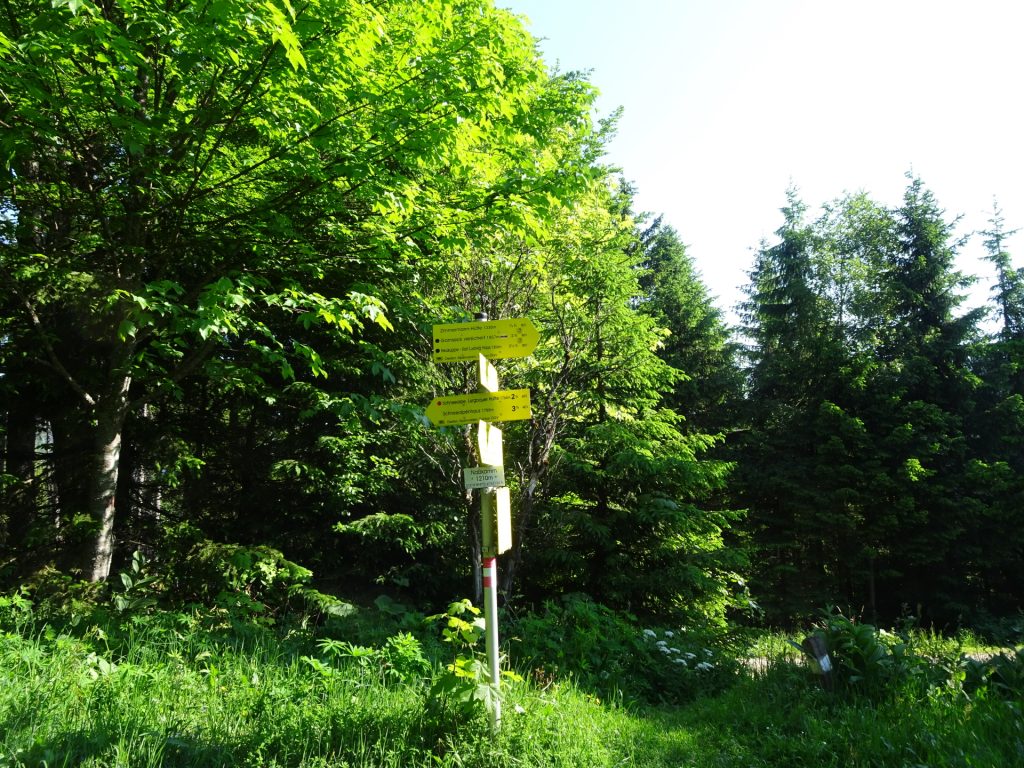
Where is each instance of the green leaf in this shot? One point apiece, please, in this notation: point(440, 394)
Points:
point(126, 330)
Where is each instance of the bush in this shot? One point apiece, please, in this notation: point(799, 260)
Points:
point(1001, 675)
point(15, 609)
point(241, 579)
point(611, 655)
point(58, 597)
point(1006, 630)
point(874, 662)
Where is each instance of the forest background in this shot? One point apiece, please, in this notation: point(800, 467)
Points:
point(227, 230)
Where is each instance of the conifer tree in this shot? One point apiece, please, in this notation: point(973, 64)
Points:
point(793, 358)
point(919, 398)
point(699, 342)
point(996, 434)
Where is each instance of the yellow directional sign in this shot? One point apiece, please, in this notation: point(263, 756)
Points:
point(515, 337)
point(496, 510)
point(506, 405)
point(488, 441)
point(488, 374)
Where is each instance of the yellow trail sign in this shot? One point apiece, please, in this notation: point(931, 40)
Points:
point(505, 405)
point(488, 375)
point(496, 510)
point(496, 339)
point(489, 443)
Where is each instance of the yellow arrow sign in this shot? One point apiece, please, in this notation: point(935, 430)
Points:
point(506, 405)
point(516, 337)
point(488, 375)
point(488, 441)
point(496, 510)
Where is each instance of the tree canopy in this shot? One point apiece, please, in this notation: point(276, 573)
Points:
point(226, 231)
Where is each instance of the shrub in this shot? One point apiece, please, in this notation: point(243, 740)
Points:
point(871, 661)
point(241, 579)
point(58, 597)
point(464, 689)
point(611, 655)
point(401, 660)
point(16, 609)
point(1002, 675)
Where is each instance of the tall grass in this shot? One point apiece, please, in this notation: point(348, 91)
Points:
point(166, 700)
point(176, 690)
point(776, 719)
point(162, 696)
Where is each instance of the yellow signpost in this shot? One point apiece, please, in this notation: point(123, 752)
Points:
point(496, 508)
point(495, 339)
point(488, 374)
point(489, 444)
point(504, 405)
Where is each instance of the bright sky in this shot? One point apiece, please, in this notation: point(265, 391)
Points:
point(727, 102)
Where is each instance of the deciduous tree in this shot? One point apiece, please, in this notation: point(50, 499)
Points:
point(190, 178)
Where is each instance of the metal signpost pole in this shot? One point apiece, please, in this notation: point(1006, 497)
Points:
point(488, 513)
point(490, 571)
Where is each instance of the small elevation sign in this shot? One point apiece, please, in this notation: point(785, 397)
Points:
point(483, 477)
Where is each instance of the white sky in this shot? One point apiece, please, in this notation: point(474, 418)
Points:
point(727, 102)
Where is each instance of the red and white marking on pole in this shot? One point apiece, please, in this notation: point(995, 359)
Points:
point(490, 571)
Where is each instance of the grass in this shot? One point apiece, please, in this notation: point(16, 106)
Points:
point(63, 703)
point(929, 642)
point(775, 719)
point(177, 690)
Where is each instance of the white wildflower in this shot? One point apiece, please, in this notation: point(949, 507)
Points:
point(649, 633)
point(674, 650)
point(679, 661)
point(663, 649)
point(707, 652)
point(661, 643)
point(705, 666)
point(669, 633)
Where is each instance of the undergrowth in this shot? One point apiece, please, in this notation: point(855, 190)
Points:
point(116, 680)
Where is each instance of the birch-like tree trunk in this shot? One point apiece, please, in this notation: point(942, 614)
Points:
point(111, 410)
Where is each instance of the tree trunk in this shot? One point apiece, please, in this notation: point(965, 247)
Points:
point(110, 417)
point(871, 588)
point(144, 485)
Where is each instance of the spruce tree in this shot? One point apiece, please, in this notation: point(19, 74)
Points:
point(699, 342)
point(793, 356)
point(997, 436)
point(920, 396)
